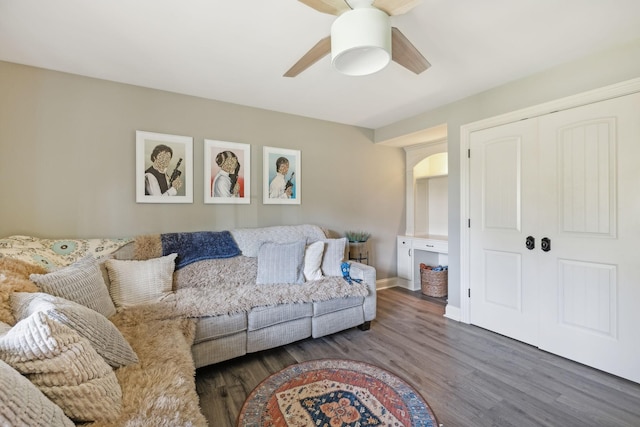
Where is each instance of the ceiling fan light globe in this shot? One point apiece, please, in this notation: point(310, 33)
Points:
point(361, 42)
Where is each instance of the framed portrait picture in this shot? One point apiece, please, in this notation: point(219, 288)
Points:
point(164, 168)
point(281, 183)
point(227, 172)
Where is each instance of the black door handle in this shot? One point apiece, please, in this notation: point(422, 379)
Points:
point(545, 244)
point(530, 243)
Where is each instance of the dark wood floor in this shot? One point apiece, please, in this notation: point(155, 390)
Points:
point(469, 376)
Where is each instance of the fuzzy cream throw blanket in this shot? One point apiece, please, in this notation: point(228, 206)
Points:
point(225, 286)
point(160, 390)
point(14, 277)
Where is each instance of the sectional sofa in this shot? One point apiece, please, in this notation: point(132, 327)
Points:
point(140, 314)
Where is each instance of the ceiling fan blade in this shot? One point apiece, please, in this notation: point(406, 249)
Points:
point(406, 54)
point(395, 7)
point(316, 53)
point(332, 7)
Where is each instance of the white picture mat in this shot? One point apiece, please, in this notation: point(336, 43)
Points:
point(243, 152)
point(182, 147)
point(269, 157)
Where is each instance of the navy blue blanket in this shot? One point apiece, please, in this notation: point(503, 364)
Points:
point(199, 245)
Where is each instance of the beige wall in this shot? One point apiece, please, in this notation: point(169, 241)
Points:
point(609, 67)
point(67, 163)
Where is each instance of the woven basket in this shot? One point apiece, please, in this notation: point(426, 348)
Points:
point(434, 283)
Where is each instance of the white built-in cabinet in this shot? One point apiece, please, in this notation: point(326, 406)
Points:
point(425, 240)
point(553, 208)
point(414, 250)
point(405, 258)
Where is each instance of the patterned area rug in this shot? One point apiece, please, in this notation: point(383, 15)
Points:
point(335, 393)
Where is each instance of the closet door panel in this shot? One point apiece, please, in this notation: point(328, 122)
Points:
point(589, 279)
point(587, 178)
point(503, 168)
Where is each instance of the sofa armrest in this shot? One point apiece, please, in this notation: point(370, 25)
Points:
point(367, 274)
point(363, 272)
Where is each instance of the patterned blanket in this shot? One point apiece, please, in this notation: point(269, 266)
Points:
point(53, 253)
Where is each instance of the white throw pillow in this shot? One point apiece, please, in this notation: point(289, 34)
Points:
point(140, 282)
point(64, 366)
point(105, 338)
point(313, 261)
point(80, 282)
point(333, 256)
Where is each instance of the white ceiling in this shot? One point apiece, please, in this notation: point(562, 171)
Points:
point(237, 50)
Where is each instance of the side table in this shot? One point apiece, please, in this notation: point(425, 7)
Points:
point(359, 251)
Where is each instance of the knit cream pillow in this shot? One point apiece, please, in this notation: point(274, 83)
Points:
point(64, 366)
point(140, 282)
point(333, 256)
point(80, 282)
point(22, 404)
point(313, 261)
point(104, 337)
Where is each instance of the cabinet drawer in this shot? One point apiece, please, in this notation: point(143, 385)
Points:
point(441, 246)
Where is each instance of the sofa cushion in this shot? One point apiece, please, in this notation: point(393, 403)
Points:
point(80, 282)
point(333, 256)
point(281, 263)
point(214, 351)
point(262, 317)
point(139, 282)
point(313, 261)
point(214, 327)
point(336, 304)
point(249, 240)
point(278, 335)
point(105, 338)
point(64, 366)
point(22, 404)
point(347, 318)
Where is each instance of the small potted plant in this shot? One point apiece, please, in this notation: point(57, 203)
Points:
point(357, 236)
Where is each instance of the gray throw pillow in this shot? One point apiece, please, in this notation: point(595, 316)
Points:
point(80, 282)
point(281, 263)
point(22, 404)
point(64, 366)
point(104, 337)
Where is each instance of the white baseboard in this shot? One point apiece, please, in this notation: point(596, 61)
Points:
point(393, 282)
point(452, 312)
point(390, 282)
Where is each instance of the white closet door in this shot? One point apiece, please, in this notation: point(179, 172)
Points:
point(503, 272)
point(590, 210)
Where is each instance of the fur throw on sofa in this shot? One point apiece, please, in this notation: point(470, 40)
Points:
point(160, 389)
point(226, 286)
point(14, 277)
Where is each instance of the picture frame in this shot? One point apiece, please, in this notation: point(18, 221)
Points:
point(224, 186)
point(168, 178)
point(278, 188)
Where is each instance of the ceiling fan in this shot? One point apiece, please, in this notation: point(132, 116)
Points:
point(362, 40)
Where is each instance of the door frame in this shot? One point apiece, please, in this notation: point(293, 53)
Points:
point(589, 97)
